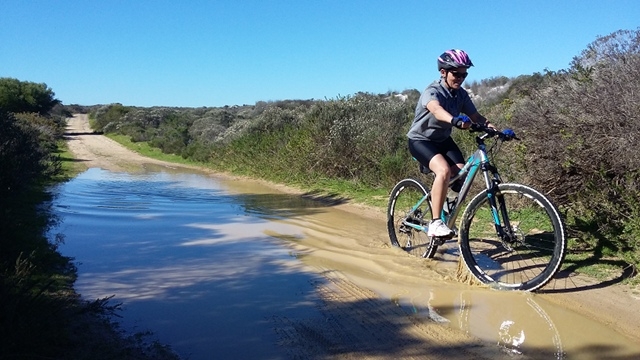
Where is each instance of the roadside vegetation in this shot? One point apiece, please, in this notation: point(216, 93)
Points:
point(578, 128)
point(41, 316)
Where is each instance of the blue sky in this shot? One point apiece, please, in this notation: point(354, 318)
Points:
point(235, 52)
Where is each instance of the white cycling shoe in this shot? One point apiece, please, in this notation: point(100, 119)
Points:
point(439, 229)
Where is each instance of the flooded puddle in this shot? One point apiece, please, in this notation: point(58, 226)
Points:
point(206, 264)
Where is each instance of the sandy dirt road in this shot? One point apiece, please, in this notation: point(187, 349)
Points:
point(358, 324)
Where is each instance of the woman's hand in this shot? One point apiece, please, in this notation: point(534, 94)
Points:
point(461, 121)
point(490, 125)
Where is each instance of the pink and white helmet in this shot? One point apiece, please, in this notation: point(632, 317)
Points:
point(453, 59)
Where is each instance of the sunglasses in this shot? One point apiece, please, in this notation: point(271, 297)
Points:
point(459, 75)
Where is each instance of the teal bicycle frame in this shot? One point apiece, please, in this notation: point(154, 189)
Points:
point(479, 160)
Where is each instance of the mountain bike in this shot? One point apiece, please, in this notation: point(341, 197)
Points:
point(511, 237)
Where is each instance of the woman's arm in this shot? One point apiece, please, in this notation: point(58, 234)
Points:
point(438, 111)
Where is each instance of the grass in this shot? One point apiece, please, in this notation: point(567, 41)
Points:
point(143, 148)
point(356, 193)
point(69, 165)
point(588, 261)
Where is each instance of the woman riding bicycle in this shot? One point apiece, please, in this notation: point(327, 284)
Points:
point(440, 107)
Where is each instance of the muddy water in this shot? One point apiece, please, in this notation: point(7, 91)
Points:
point(206, 264)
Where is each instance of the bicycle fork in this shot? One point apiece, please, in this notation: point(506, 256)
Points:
point(499, 208)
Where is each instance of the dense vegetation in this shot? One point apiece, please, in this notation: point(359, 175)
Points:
point(578, 127)
point(581, 127)
point(41, 316)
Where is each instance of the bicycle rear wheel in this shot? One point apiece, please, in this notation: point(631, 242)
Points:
point(532, 249)
point(402, 210)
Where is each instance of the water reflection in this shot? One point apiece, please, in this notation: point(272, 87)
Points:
point(522, 328)
point(198, 266)
point(213, 267)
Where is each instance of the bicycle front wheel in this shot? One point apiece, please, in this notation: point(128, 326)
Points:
point(532, 245)
point(405, 210)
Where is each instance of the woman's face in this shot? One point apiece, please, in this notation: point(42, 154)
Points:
point(455, 77)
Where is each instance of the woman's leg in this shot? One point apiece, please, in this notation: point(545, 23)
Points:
point(441, 169)
point(455, 160)
point(430, 153)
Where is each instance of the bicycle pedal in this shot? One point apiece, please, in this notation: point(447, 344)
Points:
point(440, 240)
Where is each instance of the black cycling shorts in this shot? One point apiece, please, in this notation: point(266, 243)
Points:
point(424, 151)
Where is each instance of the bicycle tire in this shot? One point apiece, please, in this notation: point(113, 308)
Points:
point(530, 258)
point(404, 196)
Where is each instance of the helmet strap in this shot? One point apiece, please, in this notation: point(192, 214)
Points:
point(446, 78)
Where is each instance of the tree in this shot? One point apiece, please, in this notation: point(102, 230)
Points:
point(23, 96)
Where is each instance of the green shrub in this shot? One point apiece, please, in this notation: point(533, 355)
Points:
point(27, 154)
point(580, 132)
point(106, 117)
point(24, 96)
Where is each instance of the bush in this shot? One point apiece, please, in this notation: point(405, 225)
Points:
point(106, 117)
point(27, 156)
point(353, 135)
point(24, 96)
point(580, 134)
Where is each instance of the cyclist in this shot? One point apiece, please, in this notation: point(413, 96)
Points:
point(443, 105)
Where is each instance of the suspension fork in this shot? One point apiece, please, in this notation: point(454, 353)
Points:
point(498, 206)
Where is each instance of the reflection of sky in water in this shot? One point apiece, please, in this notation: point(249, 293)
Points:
point(188, 261)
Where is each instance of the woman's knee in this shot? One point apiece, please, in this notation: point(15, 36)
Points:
point(440, 167)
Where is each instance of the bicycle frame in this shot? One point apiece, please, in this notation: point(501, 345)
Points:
point(479, 160)
point(469, 172)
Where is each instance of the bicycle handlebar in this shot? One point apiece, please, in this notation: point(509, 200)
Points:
point(504, 135)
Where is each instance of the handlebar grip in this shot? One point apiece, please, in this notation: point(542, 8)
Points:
point(506, 134)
